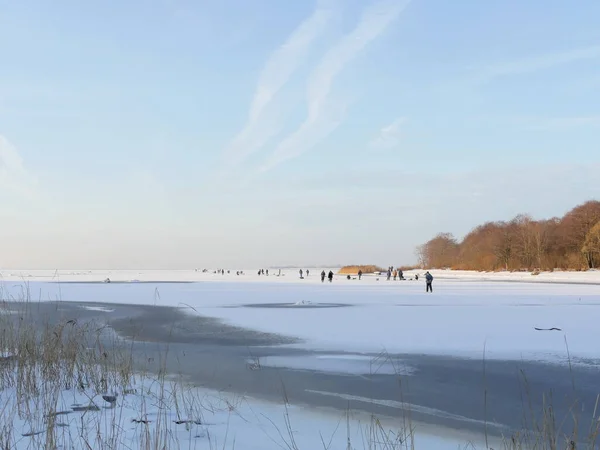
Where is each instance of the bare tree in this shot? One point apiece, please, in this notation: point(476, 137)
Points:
point(591, 246)
point(522, 243)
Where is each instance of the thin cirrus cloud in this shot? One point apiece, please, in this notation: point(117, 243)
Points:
point(389, 136)
point(278, 70)
point(325, 115)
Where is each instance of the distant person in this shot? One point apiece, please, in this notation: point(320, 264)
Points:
point(395, 274)
point(389, 274)
point(259, 273)
point(400, 275)
point(330, 276)
point(322, 276)
point(428, 282)
point(267, 272)
point(279, 274)
point(417, 276)
point(306, 273)
point(359, 274)
point(301, 273)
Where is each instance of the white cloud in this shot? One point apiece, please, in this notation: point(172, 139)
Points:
point(323, 114)
point(389, 136)
point(541, 62)
point(14, 177)
point(276, 73)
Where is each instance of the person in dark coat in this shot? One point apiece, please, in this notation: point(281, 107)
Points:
point(323, 276)
point(428, 282)
point(330, 276)
point(301, 273)
point(359, 274)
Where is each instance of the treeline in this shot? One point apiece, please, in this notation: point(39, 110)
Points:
point(571, 242)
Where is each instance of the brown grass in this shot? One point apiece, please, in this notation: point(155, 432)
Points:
point(407, 268)
point(353, 270)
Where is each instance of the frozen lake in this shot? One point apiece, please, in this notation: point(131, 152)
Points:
point(467, 357)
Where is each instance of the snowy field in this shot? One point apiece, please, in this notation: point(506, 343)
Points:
point(465, 316)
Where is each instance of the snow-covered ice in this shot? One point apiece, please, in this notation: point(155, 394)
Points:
point(462, 317)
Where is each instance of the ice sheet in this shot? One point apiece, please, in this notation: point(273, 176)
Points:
point(462, 318)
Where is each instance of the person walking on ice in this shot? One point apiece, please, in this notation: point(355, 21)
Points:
point(323, 276)
point(359, 274)
point(428, 281)
point(330, 276)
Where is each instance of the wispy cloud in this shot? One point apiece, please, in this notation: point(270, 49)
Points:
point(389, 136)
point(14, 177)
point(324, 115)
point(276, 73)
point(540, 62)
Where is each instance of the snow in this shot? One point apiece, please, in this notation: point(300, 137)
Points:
point(98, 308)
point(590, 276)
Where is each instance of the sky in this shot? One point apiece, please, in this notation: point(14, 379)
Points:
point(182, 134)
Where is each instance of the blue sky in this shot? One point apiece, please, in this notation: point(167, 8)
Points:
point(174, 134)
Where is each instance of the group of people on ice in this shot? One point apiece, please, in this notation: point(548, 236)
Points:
point(323, 275)
point(396, 273)
point(329, 276)
point(391, 272)
point(266, 272)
